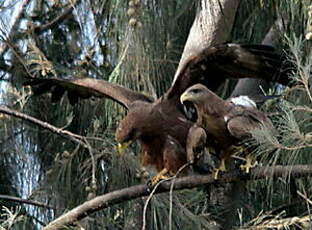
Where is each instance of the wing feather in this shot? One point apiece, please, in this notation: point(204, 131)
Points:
point(240, 126)
point(214, 64)
point(85, 88)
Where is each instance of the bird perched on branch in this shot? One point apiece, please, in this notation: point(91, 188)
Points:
point(221, 124)
point(160, 123)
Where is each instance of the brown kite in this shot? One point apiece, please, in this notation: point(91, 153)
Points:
point(160, 126)
point(221, 124)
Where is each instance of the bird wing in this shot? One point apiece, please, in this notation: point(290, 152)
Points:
point(241, 124)
point(85, 88)
point(214, 64)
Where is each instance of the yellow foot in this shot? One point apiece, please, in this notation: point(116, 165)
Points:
point(216, 173)
point(160, 176)
point(221, 168)
point(250, 163)
point(121, 147)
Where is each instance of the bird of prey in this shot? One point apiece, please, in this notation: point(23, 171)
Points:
point(157, 124)
point(221, 124)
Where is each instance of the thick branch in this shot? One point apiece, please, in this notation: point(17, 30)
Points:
point(212, 25)
point(133, 192)
point(24, 201)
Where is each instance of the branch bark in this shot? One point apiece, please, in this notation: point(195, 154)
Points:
point(212, 25)
point(56, 21)
point(25, 201)
point(64, 133)
point(119, 196)
point(14, 36)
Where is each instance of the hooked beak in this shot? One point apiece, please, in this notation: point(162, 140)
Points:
point(121, 147)
point(185, 96)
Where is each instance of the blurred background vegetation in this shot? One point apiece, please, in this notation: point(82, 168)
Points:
point(137, 44)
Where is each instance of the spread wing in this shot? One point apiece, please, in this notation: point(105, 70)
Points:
point(241, 125)
point(214, 64)
point(85, 88)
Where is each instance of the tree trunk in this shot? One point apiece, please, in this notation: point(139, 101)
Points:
point(212, 25)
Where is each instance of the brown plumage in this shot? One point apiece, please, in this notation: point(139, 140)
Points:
point(226, 123)
point(199, 154)
point(152, 122)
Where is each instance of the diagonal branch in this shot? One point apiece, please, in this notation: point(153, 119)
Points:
point(56, 21)
point(49, 25)
point(126, 194)
point(64, 133)
point(25, 201)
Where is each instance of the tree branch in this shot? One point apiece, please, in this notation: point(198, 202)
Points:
point(25, 201)
point(56, 21)
point(49, 25)
point(115, 197)
point(64, 133)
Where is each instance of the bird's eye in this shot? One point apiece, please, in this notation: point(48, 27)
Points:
point(196, 90)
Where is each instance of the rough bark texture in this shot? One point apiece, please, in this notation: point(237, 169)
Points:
point(106, 200)
point(212, 25)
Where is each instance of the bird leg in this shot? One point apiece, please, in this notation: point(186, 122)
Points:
point(250, 163)
point(160, 176)
point(121, 147)
point(221, 168)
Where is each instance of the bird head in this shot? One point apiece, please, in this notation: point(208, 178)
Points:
point(125, 135)
point(193, 94)
point(128, 131)
point(189, 99)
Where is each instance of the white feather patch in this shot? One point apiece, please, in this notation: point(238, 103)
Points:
point(243, 101)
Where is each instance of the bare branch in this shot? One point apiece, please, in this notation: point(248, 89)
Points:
point(64, 133)
point(115, 197)
point(49, 25)
point(24, 201)
point(9, 40)
point(56, 21)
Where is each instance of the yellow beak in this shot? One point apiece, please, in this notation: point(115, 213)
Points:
point(121, 147)
point(185, 96)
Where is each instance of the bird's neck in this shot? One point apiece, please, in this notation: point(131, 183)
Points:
point(216, 106)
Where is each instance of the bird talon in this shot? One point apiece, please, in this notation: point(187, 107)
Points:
point(250, 163)
point(221, 168)
point(215, 173)
point(156, 179)
point(121, 147)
